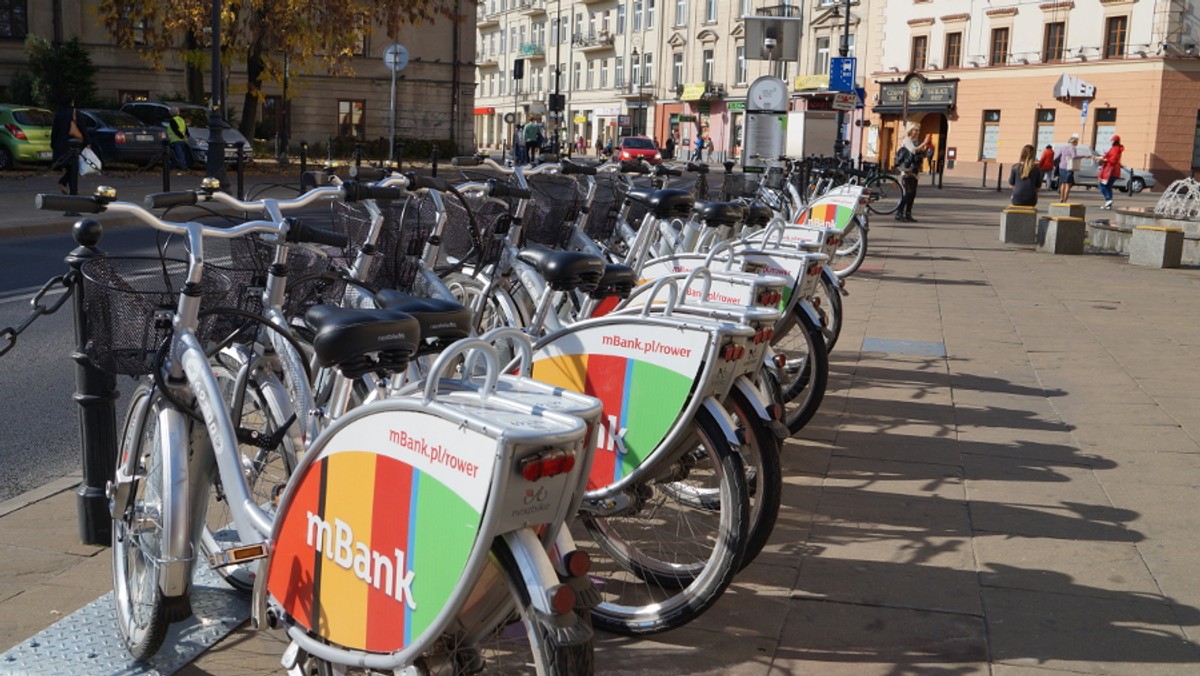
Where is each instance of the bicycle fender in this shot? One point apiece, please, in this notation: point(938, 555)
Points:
point(536, 569)
point(759, 403)
point(728, 427)
point(831, 276)
point(806, 305)
point(175, 569)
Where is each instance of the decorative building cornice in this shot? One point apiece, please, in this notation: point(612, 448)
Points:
point(1117, 2)
point(955, 18)
point(1052, 6)
point(923, 21)
point(1004, 11)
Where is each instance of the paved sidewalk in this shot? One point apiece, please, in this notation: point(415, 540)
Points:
point(1003, 480)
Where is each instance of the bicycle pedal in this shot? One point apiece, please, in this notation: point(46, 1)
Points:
point(236, 555)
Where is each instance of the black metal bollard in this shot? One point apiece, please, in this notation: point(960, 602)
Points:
point(399, 156)
point(96, 394)
point(941, 173)
point(74, 148)
point(241, 169)
point(166, 165)
point(303, 157)
point(358, 154)
point(433, 161)
point(999, 176)
point(984, 174)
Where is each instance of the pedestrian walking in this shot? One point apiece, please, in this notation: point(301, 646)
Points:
point(1066, 168)
point(708, 148)
point(535, 138)
point(519, 156)
point(1110, 169)
point(908, 160)
point(581, 143)
point(669, 151)
point(599, 147)
point(177, 134)
point(698, 147)
point(66, 127)
point(1046, 163)
point(1025, 178)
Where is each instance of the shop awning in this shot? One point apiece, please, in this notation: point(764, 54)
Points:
point(1072, 86)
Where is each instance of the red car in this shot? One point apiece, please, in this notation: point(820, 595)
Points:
point(638, 148)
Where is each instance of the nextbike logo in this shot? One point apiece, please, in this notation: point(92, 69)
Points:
point(646, 347)
point(385, 573)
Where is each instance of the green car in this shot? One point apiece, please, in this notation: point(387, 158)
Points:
point(24, 135)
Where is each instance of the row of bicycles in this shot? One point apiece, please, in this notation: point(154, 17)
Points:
point(453, 427)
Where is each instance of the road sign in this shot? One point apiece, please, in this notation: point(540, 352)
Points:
point(842, 73)
point(845, 101)
point(395, 57)
point(1083, 111)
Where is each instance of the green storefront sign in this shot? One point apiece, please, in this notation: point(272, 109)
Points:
point(737, 105)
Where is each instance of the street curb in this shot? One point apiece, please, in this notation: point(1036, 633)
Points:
point(39, 494)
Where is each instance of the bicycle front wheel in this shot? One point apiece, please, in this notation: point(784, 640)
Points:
point(884, 194)
point(827, 301)
point(805, 372)
point(669, 556)
point(137, 534)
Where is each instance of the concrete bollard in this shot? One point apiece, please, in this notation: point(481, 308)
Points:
point(1061, 235)
point(1156, 246)
point(1068, 210)
point(1018, 225)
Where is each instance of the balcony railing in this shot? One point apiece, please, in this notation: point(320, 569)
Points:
point(484, 18)
point(635, 90)
point(700, 91)
point(591, 41)
point(530, 6)
point(534, 50)
point(485, 57)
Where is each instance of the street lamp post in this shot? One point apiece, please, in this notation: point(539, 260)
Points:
point(636, 81)
point(215, 164)
point(839, 144)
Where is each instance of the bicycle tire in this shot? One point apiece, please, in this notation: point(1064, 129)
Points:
point(764, 474)
point(646, 589)
point(534, 648)
point(806, 371)
point(266, 469)
point(827, 301)
point(498, 310)
point(852, 249)
point(143, 613)
point(889, 194)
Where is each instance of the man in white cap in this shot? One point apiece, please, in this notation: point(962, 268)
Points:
point(1066, 164)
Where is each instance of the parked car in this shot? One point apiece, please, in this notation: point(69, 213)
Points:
point(1131, 180)
point(24, 135)
point(117, 137)
point(158, 113)
point(638, 148)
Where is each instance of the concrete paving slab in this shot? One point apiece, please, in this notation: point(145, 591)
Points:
point(1103, 569)
point(1133, 635)
point(931, 585)
point(895, 478)
point(33, 529)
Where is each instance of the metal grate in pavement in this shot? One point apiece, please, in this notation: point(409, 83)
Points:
point(913, 347)
point(88, 642)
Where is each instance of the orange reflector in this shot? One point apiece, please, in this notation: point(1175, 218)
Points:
point(577, 563)
point(547, 464)
point(562, 599)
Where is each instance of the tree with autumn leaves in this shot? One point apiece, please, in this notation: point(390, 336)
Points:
point(264, 34)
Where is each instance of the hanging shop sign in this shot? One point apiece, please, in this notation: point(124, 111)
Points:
point(485, 111)
point(692, 91)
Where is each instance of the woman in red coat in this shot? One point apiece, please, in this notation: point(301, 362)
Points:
point(1046, 163)
point(1110, 169)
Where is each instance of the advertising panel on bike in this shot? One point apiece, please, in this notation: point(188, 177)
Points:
point(371, 544)
point(835, 209)
point(643, 380)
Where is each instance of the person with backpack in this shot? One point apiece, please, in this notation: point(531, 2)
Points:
point(535, 138)
point(177, 134)
point(908, 160)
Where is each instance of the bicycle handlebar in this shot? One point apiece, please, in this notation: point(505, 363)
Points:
point(416, 182)
point(569, 168)
point(660, 170)
point(697, 168)
point(466, 161)
point(634, 167)
point(166, 200)
point(364, 173)
point(353, 191)
point(300, 232)
point(84, 204)
point(498, 189)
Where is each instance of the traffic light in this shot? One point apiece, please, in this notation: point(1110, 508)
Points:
point(519, 69)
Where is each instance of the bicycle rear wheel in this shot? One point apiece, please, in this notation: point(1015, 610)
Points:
point(666, 559)
point(827, 301)
point(805, 373)
point(852, 249)
point(885, 194)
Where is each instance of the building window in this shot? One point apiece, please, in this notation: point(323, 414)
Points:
point(1052, 43)
point(14, 19)
point(1115, 32)
point(953, 56)
point(647, 70)
point(637, 15)
point(999, 55)
point(1045, 129)
point(990, 134)
point(708, 65)
point(1106, 126)
point(591, 77)
point(578, 80)
point(677, 69)
point(562, 31)
point(710, 10)
point(603, 73)
point(351, 120)
point(741, 65)
point(920, 49)
point(649, 14)
point(619, 80)
point(746, 9)
point(621, 18)
point(271, 120)
point(821, 64)
point(680, 12)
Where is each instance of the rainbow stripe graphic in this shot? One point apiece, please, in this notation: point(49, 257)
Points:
point(394, 544)
point(828, 214)
point(640, 398)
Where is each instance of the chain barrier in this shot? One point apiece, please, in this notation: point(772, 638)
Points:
point(8, 335)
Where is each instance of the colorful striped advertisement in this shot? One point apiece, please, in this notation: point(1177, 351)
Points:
point(371, 543)
point(643, 376)
point(831, 211)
